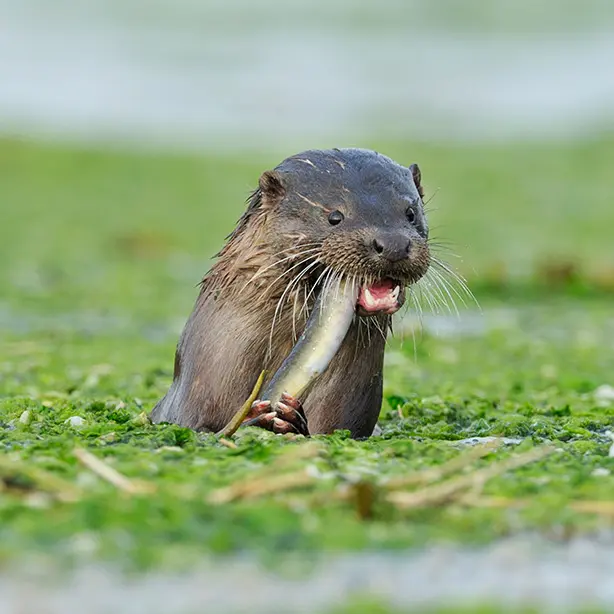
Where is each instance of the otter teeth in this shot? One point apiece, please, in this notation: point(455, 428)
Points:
point(369, 298)
point(372, 302)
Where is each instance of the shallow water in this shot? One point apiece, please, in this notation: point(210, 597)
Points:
point(543, 322)
point(556, 578)
point(539, 321)
point(246, 75)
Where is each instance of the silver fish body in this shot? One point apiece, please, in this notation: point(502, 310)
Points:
point(323, 335)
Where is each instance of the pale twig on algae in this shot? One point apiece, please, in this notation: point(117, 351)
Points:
point(19, 476)
point(111, 475)
point(438, 494)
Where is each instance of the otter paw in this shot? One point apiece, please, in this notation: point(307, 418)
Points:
point(287, 417)
point(291, 411)
point(261, 414)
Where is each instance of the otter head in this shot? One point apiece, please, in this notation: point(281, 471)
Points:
point(352, 213)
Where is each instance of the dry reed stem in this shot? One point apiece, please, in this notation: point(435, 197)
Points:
point(600, 508)
point(111, 475)
point(43, 480)
point(434, 474)
point(271, 479)
point(258, 487)
point(231, 428)
point(229, 444)
point(438, 494)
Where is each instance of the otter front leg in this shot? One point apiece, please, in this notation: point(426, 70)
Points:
point(287, 416)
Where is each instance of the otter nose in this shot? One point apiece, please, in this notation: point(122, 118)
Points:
point(393, 247)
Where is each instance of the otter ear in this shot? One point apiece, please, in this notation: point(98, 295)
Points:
point(271, 186)
point(417, 175)
point(269, 192)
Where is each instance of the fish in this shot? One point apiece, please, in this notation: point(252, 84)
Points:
point(324, 333)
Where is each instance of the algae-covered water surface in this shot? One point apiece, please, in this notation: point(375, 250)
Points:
point(497, 422)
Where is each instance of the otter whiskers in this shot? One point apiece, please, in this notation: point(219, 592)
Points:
point(441, 288)
point(293, 283)
point(292, 256)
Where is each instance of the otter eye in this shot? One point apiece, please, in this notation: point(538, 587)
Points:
point(335, 217)
point(411, 215)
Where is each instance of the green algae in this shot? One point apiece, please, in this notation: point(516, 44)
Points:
point(104, 252)
point(432, 404)
point(370, 606)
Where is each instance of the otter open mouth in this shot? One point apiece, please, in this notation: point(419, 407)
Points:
point(379, 297)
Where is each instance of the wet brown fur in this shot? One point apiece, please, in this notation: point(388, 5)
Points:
point(227, 340)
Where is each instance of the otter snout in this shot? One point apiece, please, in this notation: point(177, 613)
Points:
point(394, 247)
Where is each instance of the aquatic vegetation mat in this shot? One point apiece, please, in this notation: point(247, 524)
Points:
point(495, 423)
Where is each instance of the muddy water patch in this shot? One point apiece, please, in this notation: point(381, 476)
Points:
point(91, 323)
point(519, 572)
point(240, 76)
point(564, 323)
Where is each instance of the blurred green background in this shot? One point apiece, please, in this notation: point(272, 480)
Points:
point(133, 136)
point(130, 137)
point(131, 234)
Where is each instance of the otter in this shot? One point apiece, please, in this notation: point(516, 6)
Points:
point(319, 215)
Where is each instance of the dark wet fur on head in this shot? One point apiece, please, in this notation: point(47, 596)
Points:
point(255, 301)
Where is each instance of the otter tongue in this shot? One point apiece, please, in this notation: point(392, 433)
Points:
point(381, 289)
point(380, 296)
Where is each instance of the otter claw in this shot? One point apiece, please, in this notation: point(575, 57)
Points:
point(292, 402)
point(291, 410)
point(288, 416)
point(282, 427)
point(260, 414)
